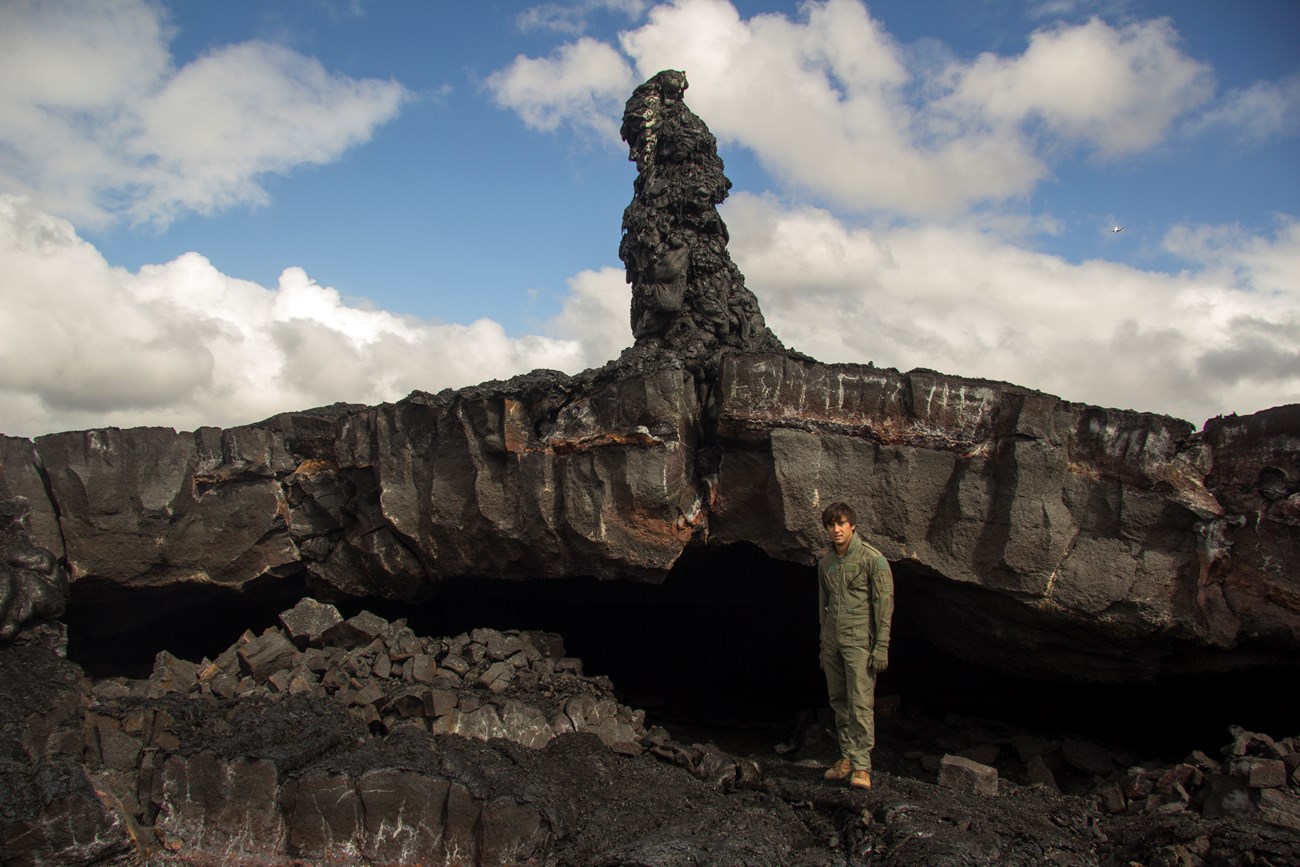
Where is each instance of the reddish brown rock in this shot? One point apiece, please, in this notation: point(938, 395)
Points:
point(966, 775)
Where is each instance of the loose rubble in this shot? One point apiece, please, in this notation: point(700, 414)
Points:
point(321, 739)
point(1258, 777)
point(483, 684)
point(357, 741)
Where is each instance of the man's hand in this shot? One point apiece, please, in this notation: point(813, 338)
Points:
point(879, 660)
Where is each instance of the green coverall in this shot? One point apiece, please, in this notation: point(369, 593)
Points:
point(856, 604)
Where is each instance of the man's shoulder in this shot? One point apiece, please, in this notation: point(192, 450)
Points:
point(869, 551)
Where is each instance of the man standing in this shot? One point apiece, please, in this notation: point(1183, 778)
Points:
point(855, 592)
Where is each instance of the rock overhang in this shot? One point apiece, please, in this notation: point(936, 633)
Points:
point(1060, 519)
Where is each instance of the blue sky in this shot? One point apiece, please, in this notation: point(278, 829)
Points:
point(212, 212)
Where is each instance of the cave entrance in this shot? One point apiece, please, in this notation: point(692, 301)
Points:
point(729, 637)
point(728, 641)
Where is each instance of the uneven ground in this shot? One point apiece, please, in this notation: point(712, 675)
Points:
point(77, 789)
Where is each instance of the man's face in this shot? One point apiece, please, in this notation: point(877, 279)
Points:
point(840, 531)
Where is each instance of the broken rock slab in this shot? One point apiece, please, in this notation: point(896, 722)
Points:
point(968, 775)
point(307, 622)
point(251, 758)
point(265, 655)
point(33, 584)
point(1281, 808)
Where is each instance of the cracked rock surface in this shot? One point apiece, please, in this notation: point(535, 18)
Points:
point(364, 743)
point(1085, 542)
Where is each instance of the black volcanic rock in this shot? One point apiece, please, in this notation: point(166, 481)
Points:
point(1076, 541)
point(33, 584)
point(687, 294)
point(343, 755)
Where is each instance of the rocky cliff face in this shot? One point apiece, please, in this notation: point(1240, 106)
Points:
point(1076, 540)
point(1103, 544)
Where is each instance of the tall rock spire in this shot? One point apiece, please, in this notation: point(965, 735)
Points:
point(687, 295)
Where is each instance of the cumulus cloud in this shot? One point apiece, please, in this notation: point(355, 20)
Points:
point(1118, 90)
point(1222, 336)
point(571, 17)
point(84, 344)
point(1262, 111)
point(828, 102)
point(582, 85)
point(833, 106)
point(922, 144)
point(596, 313)
point(98, 125)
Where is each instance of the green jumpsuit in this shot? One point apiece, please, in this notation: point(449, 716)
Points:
point(856, 604)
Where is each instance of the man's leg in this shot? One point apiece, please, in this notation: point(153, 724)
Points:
point(859, 731)
point(837, 690)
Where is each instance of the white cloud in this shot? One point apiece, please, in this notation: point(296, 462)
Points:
point(87, 345)
point(1224, 337)
point(831, 107)
point(1265, 110)
point(84, 344)
point(583, 85)
point(572, 17)
point(1117, 89)
point(97, 124)
point(825, 105)
point(240, 112)
point(596, 312)
point(834, 107)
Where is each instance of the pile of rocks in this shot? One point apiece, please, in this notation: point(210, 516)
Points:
point(483, 684)
point(331, 740)
point(1258, 776)
point(317, 739)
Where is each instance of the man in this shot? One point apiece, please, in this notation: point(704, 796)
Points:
point(855, 592)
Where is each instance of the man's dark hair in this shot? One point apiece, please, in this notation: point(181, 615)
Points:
point(839, 512)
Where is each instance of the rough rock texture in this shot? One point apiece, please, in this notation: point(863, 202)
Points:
point(347, 745)
point(687, 294)
point(1114, 544)
point(33, 584)
point(1037, 535)
point(365, 743)
point(1043, 537)
point(1051, 536)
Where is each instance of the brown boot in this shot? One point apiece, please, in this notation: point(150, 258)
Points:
point(860, 780)
point(839, 770)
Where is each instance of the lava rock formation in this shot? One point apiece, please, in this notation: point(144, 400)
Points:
point(687, 294)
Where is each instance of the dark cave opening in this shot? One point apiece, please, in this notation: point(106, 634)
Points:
point(728, 641)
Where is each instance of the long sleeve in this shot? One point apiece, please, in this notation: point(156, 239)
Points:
point(882, 607)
